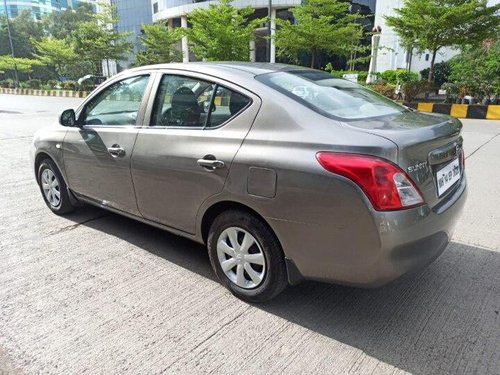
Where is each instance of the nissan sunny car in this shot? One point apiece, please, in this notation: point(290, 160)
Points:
point(285, 173)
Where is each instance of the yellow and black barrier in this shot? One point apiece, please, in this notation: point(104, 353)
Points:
point(476, 111)
point(63, 93)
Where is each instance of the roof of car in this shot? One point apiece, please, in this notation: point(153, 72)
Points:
point(228, 66)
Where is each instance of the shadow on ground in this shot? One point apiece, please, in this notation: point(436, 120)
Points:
point(443, 320)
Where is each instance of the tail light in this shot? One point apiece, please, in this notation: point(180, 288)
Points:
point(387, 186)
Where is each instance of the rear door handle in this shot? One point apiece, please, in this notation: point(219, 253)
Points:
point(210, 164)
point(116, 151)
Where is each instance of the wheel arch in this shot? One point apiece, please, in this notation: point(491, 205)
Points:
point(38, 160)
point(217, 208)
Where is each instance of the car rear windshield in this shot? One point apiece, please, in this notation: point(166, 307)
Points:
point(333, 97)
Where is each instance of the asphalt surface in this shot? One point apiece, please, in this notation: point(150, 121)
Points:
point(94, 292)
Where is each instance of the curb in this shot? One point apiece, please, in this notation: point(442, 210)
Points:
point(476, 111)
point(60, 93)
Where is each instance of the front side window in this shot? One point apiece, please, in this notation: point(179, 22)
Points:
point(117, 104)
point(333, 97)
point(194, 103)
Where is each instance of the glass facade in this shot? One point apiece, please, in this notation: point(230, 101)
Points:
point(132, 14)
point(39, 7)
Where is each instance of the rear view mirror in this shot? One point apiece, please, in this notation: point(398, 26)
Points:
point(67, 118)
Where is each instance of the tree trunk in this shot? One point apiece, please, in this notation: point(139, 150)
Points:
point(313, 58)
point(431, 69)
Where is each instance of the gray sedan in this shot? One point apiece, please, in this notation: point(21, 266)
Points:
point(285, 173)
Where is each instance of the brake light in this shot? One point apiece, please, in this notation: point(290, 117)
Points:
point(387, 186)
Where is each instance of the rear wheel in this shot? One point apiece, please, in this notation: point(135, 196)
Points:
point(246, 256)
point(53, 188)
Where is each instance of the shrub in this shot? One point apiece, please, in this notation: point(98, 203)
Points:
point(34, 84)
point(7, 83)
point(386, 89)
point(69, 85)
point(412, 88)
point(398, 76)
point(442, 72)
point(53, 84)
point(24, 85)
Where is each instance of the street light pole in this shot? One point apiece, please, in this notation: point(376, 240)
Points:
point(269, 11)
point(10, 42)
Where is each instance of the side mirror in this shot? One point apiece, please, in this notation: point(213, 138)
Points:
point(68, 118)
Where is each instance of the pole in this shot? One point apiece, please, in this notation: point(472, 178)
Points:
point(10, 42)
point(269, 10)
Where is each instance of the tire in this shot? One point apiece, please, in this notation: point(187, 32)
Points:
point(255, 273)
point(54, 194)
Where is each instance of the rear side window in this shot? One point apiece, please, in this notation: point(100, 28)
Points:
point(188, 102)
point(329, 96)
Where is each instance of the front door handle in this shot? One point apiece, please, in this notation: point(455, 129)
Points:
point(116, 151)
point(210, 163)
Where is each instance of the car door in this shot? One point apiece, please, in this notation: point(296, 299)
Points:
point(183, 157)
point(97, 154)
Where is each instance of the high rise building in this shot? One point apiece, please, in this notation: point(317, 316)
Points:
point(40, 7)
point(132, 14)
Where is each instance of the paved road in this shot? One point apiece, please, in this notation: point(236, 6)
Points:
point(98, 293)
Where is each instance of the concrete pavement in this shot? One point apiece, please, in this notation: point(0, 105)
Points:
point(98, 293)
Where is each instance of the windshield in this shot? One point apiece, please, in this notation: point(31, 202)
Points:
point(331, 96)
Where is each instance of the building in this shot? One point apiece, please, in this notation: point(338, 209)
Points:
point(132, 14)
point(40, 7)
point(174, 12)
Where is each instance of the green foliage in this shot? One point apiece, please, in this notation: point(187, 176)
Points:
point(69, 85)
point(60, 25)
point(97, 40)
point(434, 24)
point(221, 32)
point(398, 76)
point(386, 89)
point(321, 25)
point(412, 88)
point(22, 64)
point(476, 71)
point(442, 72)
point(34, 84)
point(159, 45)
point(7, 83)
point(53, 84)
point(55, 52)
point(23, 27)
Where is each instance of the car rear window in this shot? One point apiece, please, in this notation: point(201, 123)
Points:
point(333, 97)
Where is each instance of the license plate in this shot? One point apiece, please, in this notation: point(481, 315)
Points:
point(447, 176)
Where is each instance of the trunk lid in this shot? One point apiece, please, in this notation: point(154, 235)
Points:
point(429, 149)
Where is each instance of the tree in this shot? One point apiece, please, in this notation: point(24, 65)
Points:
point(159, 45)
point(55, 52)
point(434, 24)
point(23, 27)
point(476, 70)
point(22, 64)
point(320, 25)
point(221, 32)
point(97, 40)
point(61, 24)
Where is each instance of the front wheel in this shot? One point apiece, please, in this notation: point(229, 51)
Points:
point(246, 256)
point(53, 188)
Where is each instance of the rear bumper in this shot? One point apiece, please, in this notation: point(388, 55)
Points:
point(383, 248)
